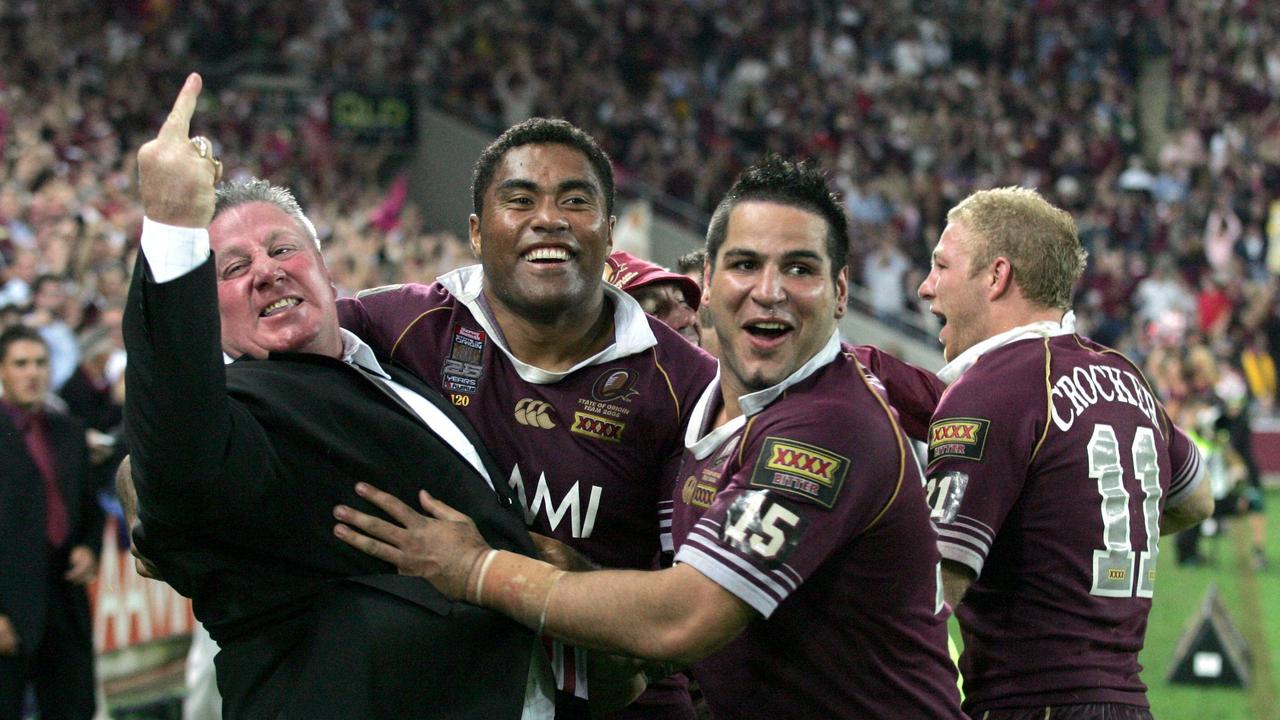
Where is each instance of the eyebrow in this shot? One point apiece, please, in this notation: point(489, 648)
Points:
point(794, 255)
point(564, 186)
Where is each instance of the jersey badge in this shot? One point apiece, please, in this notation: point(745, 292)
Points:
point(958, 438)
point(797, 468)
point(594, 426)
point(462, 369)
point(617, 385)
point(701, 492)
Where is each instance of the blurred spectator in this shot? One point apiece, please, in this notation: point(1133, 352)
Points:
point(670, 297)
point(48, 305)
point(884, 273)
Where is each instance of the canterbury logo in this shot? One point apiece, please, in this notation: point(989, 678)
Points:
point(535, 413)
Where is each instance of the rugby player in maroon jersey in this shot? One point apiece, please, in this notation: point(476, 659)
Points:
point(578, 394)
point(1053, 470)
point(807, 578)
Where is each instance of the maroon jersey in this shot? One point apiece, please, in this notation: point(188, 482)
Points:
point(810, 508)
point(1050, 461)
point(591, 453)
point(911, 391)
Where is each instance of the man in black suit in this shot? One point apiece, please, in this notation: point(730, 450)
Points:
point(238, 466)
point(50, 536)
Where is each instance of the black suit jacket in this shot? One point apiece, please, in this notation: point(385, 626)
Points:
point(25, 563)
point(238, 469)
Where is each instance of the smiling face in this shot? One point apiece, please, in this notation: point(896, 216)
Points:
point(772, 298)
point(274, 292)
point(544, 233)
point(956, 294)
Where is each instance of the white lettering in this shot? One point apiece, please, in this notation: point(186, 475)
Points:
point(570, 505)
point(1084, 389)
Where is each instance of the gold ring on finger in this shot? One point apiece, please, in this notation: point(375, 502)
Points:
point(202, 145)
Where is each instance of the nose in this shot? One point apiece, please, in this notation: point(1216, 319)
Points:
point(266, 271)
point(680, 316)
point(925, 291)
point(549, 216)
point(768, 289)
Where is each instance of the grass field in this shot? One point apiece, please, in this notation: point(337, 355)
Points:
point(1253, 602)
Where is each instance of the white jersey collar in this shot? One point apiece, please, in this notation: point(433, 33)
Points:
point(751, 403)
point(1042, 329)
point(631, 331)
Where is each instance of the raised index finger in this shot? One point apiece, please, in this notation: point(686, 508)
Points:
point(177, 126)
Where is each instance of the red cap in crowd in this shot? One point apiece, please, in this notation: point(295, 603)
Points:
point(629, 273)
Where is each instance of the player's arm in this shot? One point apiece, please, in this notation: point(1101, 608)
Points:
point(674, 615)
point(1190, 499)
point(956, 579)
point(1197, 507)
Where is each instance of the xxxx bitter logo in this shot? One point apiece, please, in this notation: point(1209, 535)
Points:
point(958, 437)
point(594, 426)
point(800, 469)
point(535, 413)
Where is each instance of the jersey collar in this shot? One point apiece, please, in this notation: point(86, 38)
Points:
point(631, 331)
point(1041, 329)
point(751, 403)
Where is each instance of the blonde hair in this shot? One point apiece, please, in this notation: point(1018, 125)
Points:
point(1038, 239)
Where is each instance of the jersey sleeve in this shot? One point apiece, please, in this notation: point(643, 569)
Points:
point(382, 316)
point(1184, 459)
point(912, 392)
point(980, 446)
point(800, 490)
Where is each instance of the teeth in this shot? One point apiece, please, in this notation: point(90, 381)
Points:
point(769, 326)
point(278, 305)
point(547, 253)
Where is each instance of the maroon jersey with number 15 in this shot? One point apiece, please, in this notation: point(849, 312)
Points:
point(810, 508)
point(1050, 461)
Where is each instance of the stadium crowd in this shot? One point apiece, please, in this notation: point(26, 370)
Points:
point(910, 106)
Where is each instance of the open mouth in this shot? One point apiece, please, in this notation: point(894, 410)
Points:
point(278, 306)
point(767, 330)
point(547, 255)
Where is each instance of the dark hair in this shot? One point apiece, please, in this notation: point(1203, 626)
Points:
point(539, 131)
point(797, 184)
point(18, 333)
point(691, 261)
point(46, 278)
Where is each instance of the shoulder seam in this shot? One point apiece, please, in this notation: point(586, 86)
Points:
point(1048, 401)
point(670, 388)
point(898, 436)
point(396, 345)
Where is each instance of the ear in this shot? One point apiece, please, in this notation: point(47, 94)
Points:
point(842, 291)
point(473, 231)
point(999, 278)
point(609, 235)
point(706, 282)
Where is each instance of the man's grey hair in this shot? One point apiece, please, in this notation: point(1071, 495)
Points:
point(234, 193)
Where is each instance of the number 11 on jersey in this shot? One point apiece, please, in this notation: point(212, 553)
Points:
point(1113, 566)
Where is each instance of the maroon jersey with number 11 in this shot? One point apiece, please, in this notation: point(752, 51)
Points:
point(1050, 461)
